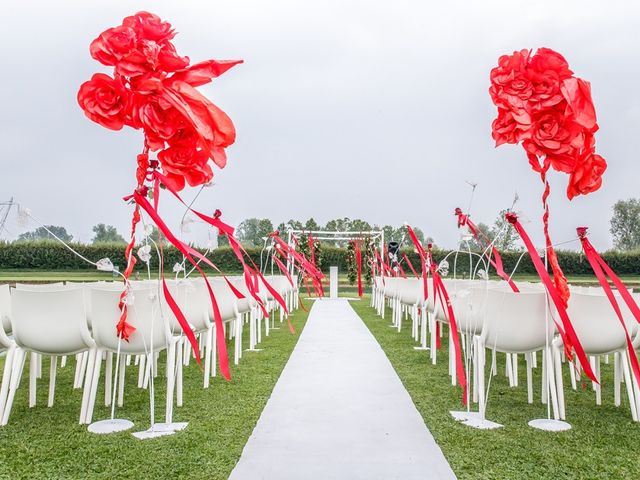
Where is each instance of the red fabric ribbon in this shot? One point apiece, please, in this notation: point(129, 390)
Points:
point(423, 259)
point(413, 270)
point(484, 242)
point(602, 271)
point(189, 254)
point(567, 332)
point(440, 292)
point(358, 253)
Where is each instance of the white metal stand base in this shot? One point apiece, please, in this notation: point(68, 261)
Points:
point(114, 425)
point(474, 420)
point(550, 425)
point(422, 348)
point(161, 430)
point(253, 349)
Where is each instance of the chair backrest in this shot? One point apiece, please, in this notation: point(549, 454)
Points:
point(5, 317)
point(410, 290)
point(469, 308)
point(244, 304)
point(390, 287)
point(5, 308)
point(40, 286)
point(50, 322)
point(597, 324)
point(516, 322)
point(225, 298)
point(192, 298)
point(144, 314)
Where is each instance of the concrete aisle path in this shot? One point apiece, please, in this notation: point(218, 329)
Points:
point(339, 411)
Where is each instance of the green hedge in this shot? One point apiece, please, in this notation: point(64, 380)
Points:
point(50, 255)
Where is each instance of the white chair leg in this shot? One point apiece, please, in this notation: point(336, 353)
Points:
point(557, 360)
point(481, 353)
point(38, 365)
point(86, 392)
point(52, 380)
point(16, 375)
point(63, 361)
point(598, 387)
point(171, 354)
point(207, 357)
point(616, 379)
point(529, 362)
point(108, 378)
point(6, 377)
point(121, 367)
point(93, 390)
point(214, 350)
point(628, 384)
point(494, 363)
point(181, 346)
point(33, 375)
point(552, 384)
point(514, 370)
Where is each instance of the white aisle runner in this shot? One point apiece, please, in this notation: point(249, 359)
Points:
point(339, 411)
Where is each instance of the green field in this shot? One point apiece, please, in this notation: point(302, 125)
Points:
point(48, 442)
point(601, 445)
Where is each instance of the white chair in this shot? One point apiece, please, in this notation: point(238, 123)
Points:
point(600, 333)
point(516, 323)
point(47, 322)
point(7, 345)
point(152, 335)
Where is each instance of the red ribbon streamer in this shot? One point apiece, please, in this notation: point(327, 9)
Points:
point(413, 270)
point(497, 263)
point(187, 251)
point(358, 253)
point(568, 334)
point(598, 265)
point(440, 292)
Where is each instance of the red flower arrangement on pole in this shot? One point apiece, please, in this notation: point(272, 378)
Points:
point(544, 107)
point(153, 89)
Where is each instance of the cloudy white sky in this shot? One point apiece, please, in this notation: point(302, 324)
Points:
point(366, 109)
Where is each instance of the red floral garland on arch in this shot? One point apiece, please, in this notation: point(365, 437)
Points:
point(153, 89)
point(543, 106)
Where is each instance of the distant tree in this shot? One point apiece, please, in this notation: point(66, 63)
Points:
point(106, 234)
point(485, 233)
point(339, 225)
point(41, 233)
point(252, 230)
point(358, 225)
point(505, 236)
point(312, 225)
point(625, 224)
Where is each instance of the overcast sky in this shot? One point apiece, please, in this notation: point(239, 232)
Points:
point(374, 110)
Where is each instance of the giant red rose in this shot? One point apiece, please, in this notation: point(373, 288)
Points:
point(113, 45)
point(510, 85)
point(186, 163)
point(508, 128)
point(105, 101)
point(149, 26)
point(587, 174)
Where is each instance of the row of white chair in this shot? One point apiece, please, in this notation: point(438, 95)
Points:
point(489, 315)
point(79, 319)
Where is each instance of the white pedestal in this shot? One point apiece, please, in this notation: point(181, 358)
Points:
point(333, 282)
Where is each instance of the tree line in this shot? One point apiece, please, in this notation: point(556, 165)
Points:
point(624, 229)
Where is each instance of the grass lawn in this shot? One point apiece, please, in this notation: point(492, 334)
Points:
point(48, 442)
point(603, 443)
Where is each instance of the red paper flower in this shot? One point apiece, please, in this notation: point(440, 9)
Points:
point(586, 177)
point(544, 107)
point(182, 163)
point(105, 101)
point(154, 90)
